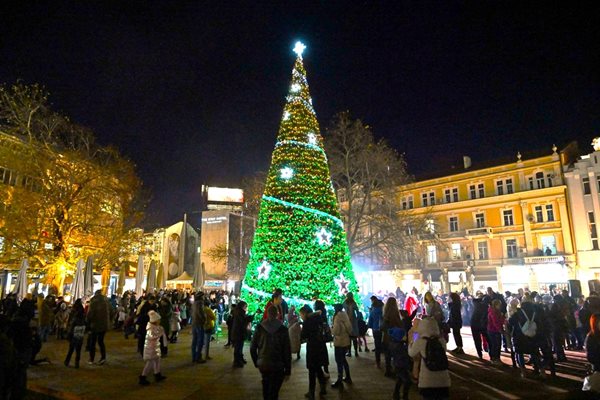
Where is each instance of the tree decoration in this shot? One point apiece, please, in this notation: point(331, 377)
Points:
point(299, 229)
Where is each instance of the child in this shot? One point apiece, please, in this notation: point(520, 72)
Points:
point(294, 331)
point(154, 332)
point(175, 323)
point(362, 332)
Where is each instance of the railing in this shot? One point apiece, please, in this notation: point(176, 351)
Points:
point(554, 259)
point(478, 231)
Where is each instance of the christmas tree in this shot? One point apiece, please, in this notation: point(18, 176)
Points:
point(300, 244)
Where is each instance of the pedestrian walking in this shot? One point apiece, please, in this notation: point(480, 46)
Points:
point(98, 318)
point(316, 350)
point(152, 351)
point(271, 353)
point(374, 322)
point(341, 341)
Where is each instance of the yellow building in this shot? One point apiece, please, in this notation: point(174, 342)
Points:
point(504, 226)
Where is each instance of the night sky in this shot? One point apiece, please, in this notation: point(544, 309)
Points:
point(193, 93)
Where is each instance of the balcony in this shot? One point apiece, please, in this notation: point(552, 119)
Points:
point(484, 231)
point(553, 259)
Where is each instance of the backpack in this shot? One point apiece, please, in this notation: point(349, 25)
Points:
point(435, 355)
point(529, 328)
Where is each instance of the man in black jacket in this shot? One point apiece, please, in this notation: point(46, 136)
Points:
point(271, 353)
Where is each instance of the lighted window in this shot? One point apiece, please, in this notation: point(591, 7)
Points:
point(507, 216)
point(549, 212)
point(511, 248)
point(482, 250)
point(431, 254)
point(480, 220)
point(430, 225)
point(456, 251)
point(453, 224)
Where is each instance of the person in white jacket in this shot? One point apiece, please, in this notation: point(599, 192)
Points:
point(342, 329)
point(432, 384)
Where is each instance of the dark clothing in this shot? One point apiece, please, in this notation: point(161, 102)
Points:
point(98, 315)
point(455, 318)
point(97, 336)
point(316, 348)
point(142, 322)
point(271, 384)
point(270, 349)
point(592, 350)
point(525, 344)
point(480, 312)
point(239, 327)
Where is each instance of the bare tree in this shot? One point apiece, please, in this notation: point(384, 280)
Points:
point(367, 176)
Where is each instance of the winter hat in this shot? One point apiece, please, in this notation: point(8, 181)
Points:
point(154, 316)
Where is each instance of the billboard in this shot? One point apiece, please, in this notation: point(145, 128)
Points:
point(225, 195)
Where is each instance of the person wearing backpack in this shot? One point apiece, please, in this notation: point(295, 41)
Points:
point(426, 342)
point(523, 325)
point(271, 353)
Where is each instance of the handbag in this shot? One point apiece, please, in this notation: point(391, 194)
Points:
point(325, 333)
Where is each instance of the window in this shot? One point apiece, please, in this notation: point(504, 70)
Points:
point(593, 231)
point(476, 191)
point(549, 213)
point(550, 178)
point(499, 188)
point(480, 220)
point(451, 195)
point(511, 248)
point(456, 251)
point(549, 245)
point(598, 182)
point(407, 202)
point(431, 254)
point(453, 222)
point(586, 186)
point(482, 250)
point(539, 180)
point(8, 177)
point(539, 214)
point(430, 225)
point(428, 199)
point(509, 185)
point(507, 216)
point(530, 182)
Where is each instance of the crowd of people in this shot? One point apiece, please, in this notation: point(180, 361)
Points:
point(410, 333)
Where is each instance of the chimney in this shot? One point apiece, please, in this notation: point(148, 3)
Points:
point(467, 162)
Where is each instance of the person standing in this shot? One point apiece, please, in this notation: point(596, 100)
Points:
point(152, 351)
point(198, 320)
point(455, 322)
point(352, 310)
point(142, 320)
point(495, 326)
point(76, 332)
point(316, 350)
point(294, 331)
point(374, 322)
point(276, 301)
point(341, 341)
point(209, 327)
point(98, 318)
point(165, 309)
point(239, 330)
point(391, 319)
point(271, 354)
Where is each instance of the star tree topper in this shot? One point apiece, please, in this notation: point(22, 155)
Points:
point(263, 270)
point(342, 283)
point(324, 237)
point(299, 48)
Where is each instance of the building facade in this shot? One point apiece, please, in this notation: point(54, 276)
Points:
point(583, 188)
point(504, 226)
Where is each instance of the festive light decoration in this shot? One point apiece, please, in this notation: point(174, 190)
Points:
point(286, 173)
point(299, 48)
point(323, 237)
point(299, 229)
point(342, 284)
point(263, 270)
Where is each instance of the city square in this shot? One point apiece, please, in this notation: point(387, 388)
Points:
point(182, 215)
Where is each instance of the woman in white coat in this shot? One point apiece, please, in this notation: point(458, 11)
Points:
point(342, 329)
point(432, 384)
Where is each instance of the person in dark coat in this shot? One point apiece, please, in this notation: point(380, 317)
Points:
point(75, 332)
point(374, 322)
point(98, 318)
point(592, 343)
point(524, 344)
point(316, 350)
point(239, 329)
point(455, 322)
point(320, 306)
point(20, 334)
point(271, 353)
point(143, 319)
point(479, 321)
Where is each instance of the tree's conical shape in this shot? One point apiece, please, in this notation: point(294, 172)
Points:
point(300, 244)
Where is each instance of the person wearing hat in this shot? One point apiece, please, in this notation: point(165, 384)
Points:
point(152, 353)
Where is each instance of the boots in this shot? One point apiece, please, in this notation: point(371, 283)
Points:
point(338, 384)
point(143, 381)
point(159, 377)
